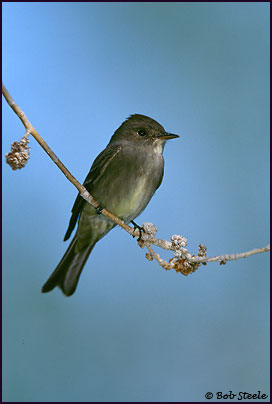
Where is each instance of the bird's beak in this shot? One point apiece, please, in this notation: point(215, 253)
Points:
point(166, 136)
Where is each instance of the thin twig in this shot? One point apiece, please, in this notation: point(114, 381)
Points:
point(82, 190)
point(189, 263)
point(230, 257)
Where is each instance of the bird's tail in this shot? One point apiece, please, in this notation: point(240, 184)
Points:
point(68, 271)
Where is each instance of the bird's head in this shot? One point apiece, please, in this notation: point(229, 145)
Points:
point(142, 130)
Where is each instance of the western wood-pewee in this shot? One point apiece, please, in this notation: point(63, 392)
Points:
point(123, 179)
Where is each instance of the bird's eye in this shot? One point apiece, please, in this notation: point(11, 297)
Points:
point(141, 132)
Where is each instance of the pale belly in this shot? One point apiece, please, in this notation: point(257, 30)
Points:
point(93, 226)
point(135, 201)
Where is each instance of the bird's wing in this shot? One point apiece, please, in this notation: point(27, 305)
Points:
point(99, 165)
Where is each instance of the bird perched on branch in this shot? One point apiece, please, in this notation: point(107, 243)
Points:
point(123, 179)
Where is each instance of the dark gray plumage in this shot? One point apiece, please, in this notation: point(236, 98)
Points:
point(123, 179)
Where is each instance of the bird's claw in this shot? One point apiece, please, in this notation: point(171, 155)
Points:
point(99, 209)
point(141, 229)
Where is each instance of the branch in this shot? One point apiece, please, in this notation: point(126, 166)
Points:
point(31, 130)
point(183, 261)
point(186, 263)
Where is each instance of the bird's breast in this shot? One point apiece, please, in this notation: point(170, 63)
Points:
point(128, 205)
point(129, 183)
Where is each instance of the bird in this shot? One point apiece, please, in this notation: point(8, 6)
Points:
point(123, 178)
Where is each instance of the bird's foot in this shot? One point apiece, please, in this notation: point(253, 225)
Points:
point(141, 229)
point(99, 209)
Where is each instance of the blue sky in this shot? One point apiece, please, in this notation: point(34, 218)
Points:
point(132, 331)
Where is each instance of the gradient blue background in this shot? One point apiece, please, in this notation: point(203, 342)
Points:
point(132, 331)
